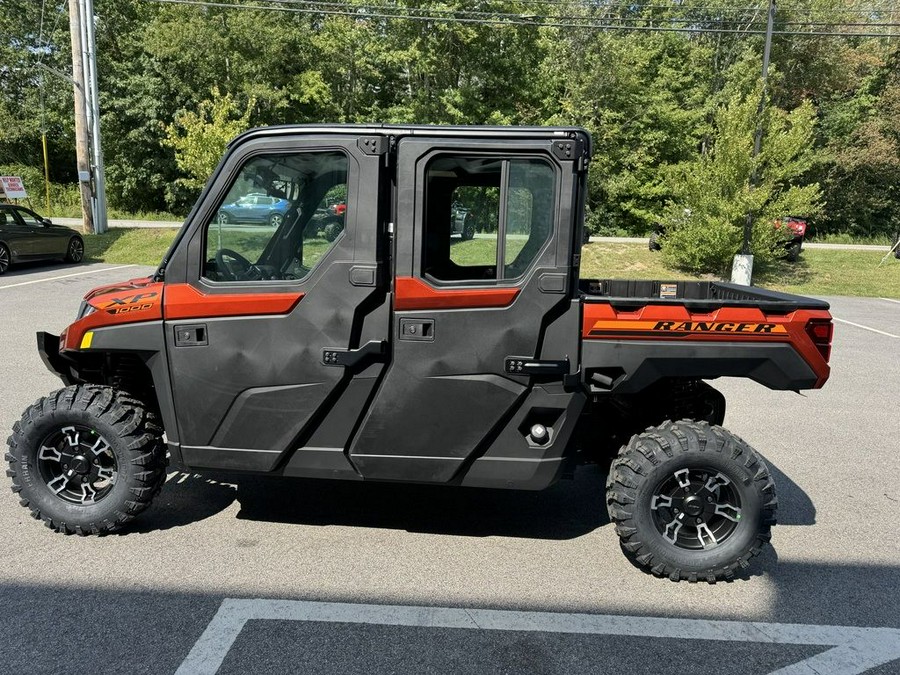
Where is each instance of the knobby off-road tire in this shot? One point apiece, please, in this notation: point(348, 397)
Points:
point(703, 477)
point(86, 435)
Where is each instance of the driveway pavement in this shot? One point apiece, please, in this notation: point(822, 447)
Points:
point(260, 575)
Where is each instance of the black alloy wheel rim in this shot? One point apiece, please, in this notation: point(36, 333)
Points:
point(696, 509)
point(76, 250)
point(4, 259)
point(77, 465)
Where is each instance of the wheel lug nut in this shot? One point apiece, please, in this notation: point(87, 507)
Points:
point(65, 466)
point(699, 520)
point(676, 510)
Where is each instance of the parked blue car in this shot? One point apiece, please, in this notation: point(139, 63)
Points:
point(254, 208)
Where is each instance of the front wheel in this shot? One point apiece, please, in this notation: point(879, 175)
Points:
point(691, 501)
point(75, 251)
point(87, 459)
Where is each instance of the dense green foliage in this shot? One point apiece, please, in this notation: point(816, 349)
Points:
point(672, 114)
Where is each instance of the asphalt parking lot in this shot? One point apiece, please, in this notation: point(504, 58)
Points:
point(252, 574)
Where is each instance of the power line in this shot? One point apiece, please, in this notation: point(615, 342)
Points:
point(41, 48)
point(360, 11)
point(482, 13)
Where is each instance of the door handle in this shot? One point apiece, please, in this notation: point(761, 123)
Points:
point(193, 335)
point(417, 329)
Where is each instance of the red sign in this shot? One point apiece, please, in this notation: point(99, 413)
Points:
point(13, 187)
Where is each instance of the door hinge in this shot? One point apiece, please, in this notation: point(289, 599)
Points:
point(373, 145)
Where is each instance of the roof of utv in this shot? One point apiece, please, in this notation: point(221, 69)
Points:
point(448, 131)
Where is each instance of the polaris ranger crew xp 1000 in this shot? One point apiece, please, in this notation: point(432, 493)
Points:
point(399, 351)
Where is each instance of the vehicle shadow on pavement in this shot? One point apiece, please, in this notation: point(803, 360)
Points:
point(26, 269)
point(185, 498)
point(795, 507)
point(567, 510)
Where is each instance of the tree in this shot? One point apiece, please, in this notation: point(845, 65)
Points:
point(714, 191)
point(861, 171)
point(199, 138)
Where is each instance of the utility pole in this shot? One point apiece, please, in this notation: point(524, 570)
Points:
point(81, 138)
point(89, 45)
point(742, 268)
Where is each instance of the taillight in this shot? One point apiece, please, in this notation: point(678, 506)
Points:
point(820, 332)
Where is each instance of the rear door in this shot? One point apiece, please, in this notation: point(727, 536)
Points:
point(469, 312)
point(269, 329)
point(20, 239)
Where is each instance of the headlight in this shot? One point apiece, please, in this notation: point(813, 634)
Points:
point(85, 310)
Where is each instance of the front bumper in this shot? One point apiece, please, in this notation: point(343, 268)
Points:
point(48, 348)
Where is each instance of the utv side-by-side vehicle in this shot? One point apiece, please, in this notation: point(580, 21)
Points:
point(399, 351)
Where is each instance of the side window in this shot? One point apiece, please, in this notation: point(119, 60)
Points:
point(28, 219)
point(486, 218)
point(274, 223)
point(530, 207)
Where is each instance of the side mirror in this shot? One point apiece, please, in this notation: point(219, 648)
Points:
point(47, 222)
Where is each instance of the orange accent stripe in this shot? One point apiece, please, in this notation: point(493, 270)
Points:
point(412, 293)
point(183, 301)
point(605, 320)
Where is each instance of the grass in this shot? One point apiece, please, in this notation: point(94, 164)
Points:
point(819, 271)
point(138, 246)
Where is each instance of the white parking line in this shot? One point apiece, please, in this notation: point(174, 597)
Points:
point(66, 276)
point(855, 650)
point(890, 300)
point(869, 328)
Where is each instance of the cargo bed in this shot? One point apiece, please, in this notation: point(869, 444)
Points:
point(695, 295)
point(653, 330)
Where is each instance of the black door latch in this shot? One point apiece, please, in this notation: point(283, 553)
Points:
point(373, 350)
point(525, 365)
point(194, 335)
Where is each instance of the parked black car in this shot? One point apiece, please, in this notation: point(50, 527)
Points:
point(24, 236)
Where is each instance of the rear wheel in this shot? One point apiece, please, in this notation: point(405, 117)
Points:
point(793, 251)
point(75, 251)
point(691, 501)
point(276, 219)
point(4, 258)
point(86, 459)
point(468, 232)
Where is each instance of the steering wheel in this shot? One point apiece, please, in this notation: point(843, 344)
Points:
point(232, 263)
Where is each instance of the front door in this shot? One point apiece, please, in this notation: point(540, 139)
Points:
point(274, 322)
point(467, 303)
point(44, 241)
